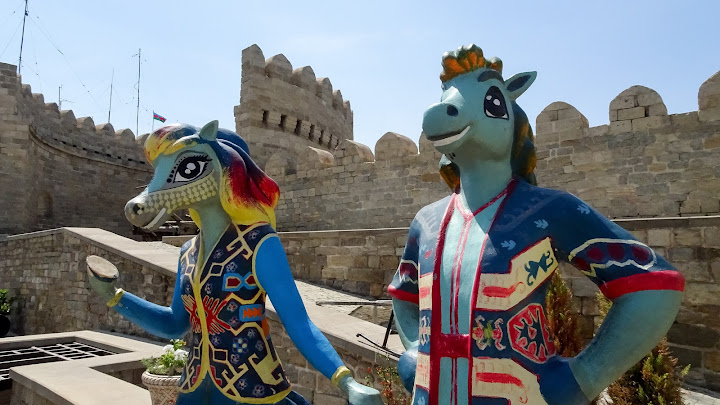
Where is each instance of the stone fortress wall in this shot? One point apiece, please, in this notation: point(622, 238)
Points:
point(59, 170)
point(284, 110)
point(644, 164)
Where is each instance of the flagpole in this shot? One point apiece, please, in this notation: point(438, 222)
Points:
point(153, 124)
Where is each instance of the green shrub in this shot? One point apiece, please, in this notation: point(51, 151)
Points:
point(5, 302)
point(562, 320)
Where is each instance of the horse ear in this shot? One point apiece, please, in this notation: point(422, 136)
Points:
point(520, 82)
point(209, 131)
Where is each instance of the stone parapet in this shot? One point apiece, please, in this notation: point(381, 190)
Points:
point(645, 163)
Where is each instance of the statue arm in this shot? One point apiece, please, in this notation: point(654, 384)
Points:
point(404, 290)
point(645, 289)
point(167, 322)
point(407, 322)
point(272, 271)
point(634, 325)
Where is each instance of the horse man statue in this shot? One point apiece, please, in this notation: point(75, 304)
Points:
point(224, 274)
point(469, 293)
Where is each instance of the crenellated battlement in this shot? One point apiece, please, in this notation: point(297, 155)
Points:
point(59, 169)
point(286, 109)
point(80, 136)
point(643, 163)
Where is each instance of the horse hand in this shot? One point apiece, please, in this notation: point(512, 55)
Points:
point(558, 385)
point(359, 394)
point(102, 276)
point(406, 368)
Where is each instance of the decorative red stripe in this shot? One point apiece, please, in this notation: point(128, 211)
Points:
point(500, 292)
point(436, 321)
point(403, 295)
point(497, 378)
point(507, 190)
point(653, 280)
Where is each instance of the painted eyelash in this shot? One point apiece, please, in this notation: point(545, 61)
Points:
point(171, 176)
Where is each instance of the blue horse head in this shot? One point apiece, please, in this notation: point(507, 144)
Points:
point(477, 117)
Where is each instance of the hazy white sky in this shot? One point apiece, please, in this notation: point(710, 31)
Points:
point(383, 55)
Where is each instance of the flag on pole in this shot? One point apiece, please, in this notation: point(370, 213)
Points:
point(158, 117)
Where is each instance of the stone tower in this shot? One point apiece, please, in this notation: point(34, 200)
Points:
point(285, 110)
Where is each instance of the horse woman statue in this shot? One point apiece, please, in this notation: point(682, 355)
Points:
point(469, 295)
point(224, 274)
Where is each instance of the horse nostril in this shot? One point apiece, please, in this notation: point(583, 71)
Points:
point(136, 208)
point(452, 111)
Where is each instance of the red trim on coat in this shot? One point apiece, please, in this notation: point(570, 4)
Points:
point(653, 280)
point(473, 298)
point(436, 320)
point(403, 295)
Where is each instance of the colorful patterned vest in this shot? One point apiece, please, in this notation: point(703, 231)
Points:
point(230, 335)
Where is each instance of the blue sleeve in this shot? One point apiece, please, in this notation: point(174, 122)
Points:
point(167, 322)
point(272, 271)
point(404, 285)
point(608, 254)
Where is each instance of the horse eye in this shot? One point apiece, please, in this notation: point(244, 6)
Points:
point(495, 104)
point(190, 169)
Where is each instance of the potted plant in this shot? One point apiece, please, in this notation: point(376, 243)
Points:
point(5, 305)
point(162, 376)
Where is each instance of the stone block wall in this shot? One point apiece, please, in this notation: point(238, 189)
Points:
point(645, 163)
point(284, 110)
point(58, 170)
point(359, 261)
point(46, 272)
point(352, 188)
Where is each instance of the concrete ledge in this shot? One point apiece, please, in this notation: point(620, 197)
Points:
point(160, 260)
point(341, 330)
point(632, 224)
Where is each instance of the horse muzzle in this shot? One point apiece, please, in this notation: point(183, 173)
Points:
point(144, 214)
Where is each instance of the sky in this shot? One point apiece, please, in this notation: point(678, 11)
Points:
point(384, 56)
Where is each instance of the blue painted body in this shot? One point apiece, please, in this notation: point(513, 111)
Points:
point(225, 274)
point(469, 294)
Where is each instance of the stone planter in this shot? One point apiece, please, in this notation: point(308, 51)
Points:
point(163, 388)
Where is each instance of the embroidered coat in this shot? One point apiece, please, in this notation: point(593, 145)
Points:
point(509, 342)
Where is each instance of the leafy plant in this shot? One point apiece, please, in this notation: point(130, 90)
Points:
point(5, 302)
point(654, 380)
point(171, 362)
point(562, 320)
point(391, 387)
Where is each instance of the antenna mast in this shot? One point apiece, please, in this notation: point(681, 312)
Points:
point(22, 38)
point(111, 89)
point(137, 111)
point(59, 98)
